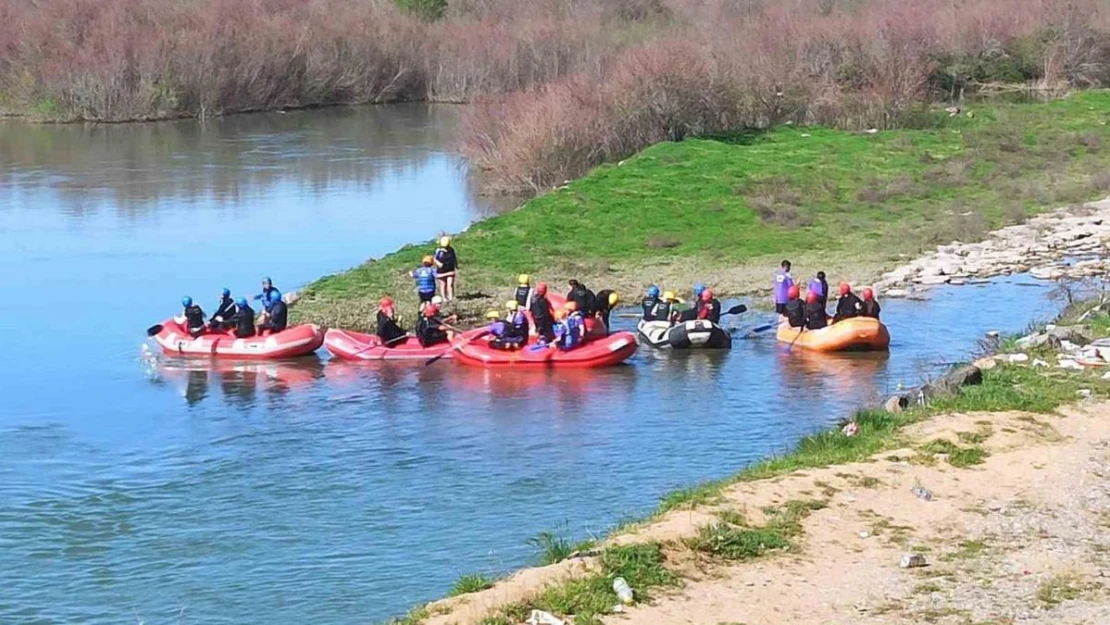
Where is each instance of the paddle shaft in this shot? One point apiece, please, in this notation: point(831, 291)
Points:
point(389, 342)
point(461, 345)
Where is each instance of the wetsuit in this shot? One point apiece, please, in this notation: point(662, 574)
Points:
point(871, 309)
point(795, 312)
point(816, 317)
point(430, 331)
point(242, 322)
point(425, 283)
point(448, 261)
point(265, 297)
point(581, 296)
point(194, 320)
point(782, 284)
point(849, 306)
point(225, 312)
point(649, 304)
point(389, 331)
point(821, 288)
point(543, 316)
point(522, 294)
point(279, 318)
point(603, 307)
point(591, 304)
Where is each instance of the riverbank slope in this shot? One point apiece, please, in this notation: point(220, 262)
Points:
point(726, 210)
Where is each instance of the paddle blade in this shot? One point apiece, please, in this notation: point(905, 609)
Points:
point(736, 310)
point(152, 330)
point(435, 359)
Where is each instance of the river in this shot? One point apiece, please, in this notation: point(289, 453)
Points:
point(318, 492)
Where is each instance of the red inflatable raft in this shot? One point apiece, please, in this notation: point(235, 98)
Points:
point(293, 341)
point(348, 345)
point(611, 350)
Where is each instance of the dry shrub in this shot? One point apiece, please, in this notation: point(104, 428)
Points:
point(663, 242)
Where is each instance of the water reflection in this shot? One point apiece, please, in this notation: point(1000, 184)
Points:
point(239, 382)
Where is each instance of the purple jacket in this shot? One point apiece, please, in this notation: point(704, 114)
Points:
point(783, 282)
point(818, 287)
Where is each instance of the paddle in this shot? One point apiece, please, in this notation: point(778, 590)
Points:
point(389, 342)
point(459, 345)
point(796, 337)
point(736, 310)
point(155, 329)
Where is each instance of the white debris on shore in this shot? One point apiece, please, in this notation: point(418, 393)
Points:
point(1069, 242)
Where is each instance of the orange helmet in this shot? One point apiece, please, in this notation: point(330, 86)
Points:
point(386, 302)
point(431, 310)
point(427, 261)
point(572, 306)
point(868, 294)
point(707, 295)
point(793, 292)
point(561, 314)
point(845, 288)
point(811, 298)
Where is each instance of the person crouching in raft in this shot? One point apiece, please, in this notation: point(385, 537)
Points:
point(781, 287)
point(871, 307)
point(498, 329)
point(193, 317)
point(425, 277)
point(649, 302)
point(388, 329)
point(447, 265)
point(709, 307)
point(221, 319)
point(242, 321)
point(523, 293)
point(816, 316)
point(432, 329)
point(583, 296)
point(278, 317)
point(794, 310)
point(848, 305)
point(543, 314)
point(607, 300)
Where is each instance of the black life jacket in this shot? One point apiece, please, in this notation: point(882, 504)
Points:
point(521, 295)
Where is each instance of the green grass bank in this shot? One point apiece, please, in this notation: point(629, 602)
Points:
point(725, 210)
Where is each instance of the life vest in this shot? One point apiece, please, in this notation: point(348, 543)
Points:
point(648, 304)
point(521, 294)
point(425, 279)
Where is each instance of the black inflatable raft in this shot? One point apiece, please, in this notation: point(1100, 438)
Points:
point(697, 334)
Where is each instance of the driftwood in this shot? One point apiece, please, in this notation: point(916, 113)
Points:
point(946, 386)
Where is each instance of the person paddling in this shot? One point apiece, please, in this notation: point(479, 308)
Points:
point(849, 305)
point(221, 319)
point(709, 307)
point(389, 330)
point(649, 303)
point(278, 317)
point(447, 265)
point(523, 293)
point(242, 322)
point(431, 330)
point(794, 310)
point(543, 314)
point(781, 287)
point(816, 316)
point(193, 316)
point(871, 307)
point(820, 286)
point(425, 277)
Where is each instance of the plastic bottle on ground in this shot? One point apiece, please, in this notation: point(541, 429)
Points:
point(623, 590)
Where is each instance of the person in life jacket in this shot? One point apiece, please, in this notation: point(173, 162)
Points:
point(849, 305)
point(389, 330)
point(523, 293)
point(447, 266)
point(431, 329)
point(193, 317)
point(871, 307)
point(576, 324)
point(607, 300)
point(667, 310)
point(578, 294)
point(543, 314)
point(221, 319)
point(781, 287)
point(500, 332)
point(278, 318)
point(242, 322)
point(794, 310)
point(425, 277)
point(649, 302)
point(816, 316)
point(268, 289)
point(709, 307)
point(516, 326)
point(820, 286)
point(561, 333)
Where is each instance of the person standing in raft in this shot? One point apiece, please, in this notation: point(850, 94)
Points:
point(523, 293)
point(268, 289)
point(192, 316)
point(243, 320)
point(709, 307)
point(431, 329)
point(425, 277)
point(389, 331)
point(221, 319)
point(820, 286)
point(278, 318)
point(649, 302)
point(794, 310)
point(781, 287)
point(583, 297)
point(543, 314)
point(871, 307)
point(848, 305)
point(607, 300)
point(816, 316)
point(447, 265)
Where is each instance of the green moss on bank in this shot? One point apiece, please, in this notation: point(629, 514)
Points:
point(724, 210)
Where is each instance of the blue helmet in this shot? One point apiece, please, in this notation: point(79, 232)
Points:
point(274, 295)
point(266, 281)
point(698, 289)
point(186, 301)
point(226, 292)
point(241, 302)
point(653, 291)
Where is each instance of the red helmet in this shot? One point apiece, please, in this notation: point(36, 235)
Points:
point(431, 310)
point(706, 295)
point(541, 288)
point(868, 294)
point(793, 292)
point(845, 288)
point(811, 298)
point(386, 302)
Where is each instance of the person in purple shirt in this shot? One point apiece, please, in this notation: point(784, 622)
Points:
point(820, 286)
point(782, 285)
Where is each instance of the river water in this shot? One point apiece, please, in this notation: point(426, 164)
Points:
point(318, 492)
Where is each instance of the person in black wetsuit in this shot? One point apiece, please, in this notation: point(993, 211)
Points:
point(543, 314)
point(871, 307)
point(221, 319)
point(523, 292)
point(278, 318)
point(848, 305)
point(242, 322)
point(816, 316)
point(388, 329)
point(607, 300)
point(430, 330)
point(649, 302)
point(709, 307)
point(583, 297)
point(194, 317)
point(794, 309)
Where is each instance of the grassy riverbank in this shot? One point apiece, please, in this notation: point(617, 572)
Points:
point(725, 210)
point(698, 536)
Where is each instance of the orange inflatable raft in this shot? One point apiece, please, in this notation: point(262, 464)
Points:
point(293, 341)
point(855, 334)
point(608, 351)
point(349, 345)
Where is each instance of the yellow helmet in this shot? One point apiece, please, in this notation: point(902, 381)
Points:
point(668, 295)
point(614, 298)
point(493, 315)
point(444, 241)
point(524, 279)
point(427, 260)
point(511, 304)
point(560, 314)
